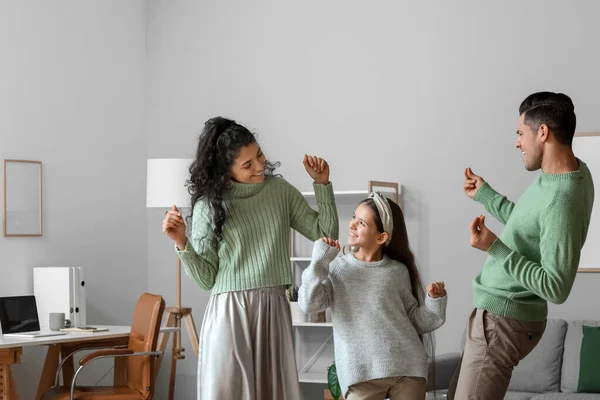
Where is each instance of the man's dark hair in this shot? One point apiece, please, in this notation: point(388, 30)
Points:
point(556, 110)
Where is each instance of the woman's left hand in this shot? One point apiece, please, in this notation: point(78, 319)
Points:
point(436, 289)
point(317, 168)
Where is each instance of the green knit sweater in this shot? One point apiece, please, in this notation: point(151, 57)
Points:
point(255, 249)
point(535, 260)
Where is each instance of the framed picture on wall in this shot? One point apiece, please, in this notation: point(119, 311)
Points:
point(586, 147)
point(22, 198)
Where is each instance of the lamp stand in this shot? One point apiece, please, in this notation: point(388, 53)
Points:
point(173, 320)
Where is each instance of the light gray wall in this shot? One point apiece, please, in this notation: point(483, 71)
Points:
point(411, 92)
point(71, 95)
point(390, 91)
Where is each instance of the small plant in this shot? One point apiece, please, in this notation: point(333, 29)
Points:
point(292, 294)
point(333, 383)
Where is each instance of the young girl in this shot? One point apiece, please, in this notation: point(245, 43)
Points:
point(239, 248)
point(377, 305)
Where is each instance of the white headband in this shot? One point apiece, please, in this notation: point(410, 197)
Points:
point(385, 213)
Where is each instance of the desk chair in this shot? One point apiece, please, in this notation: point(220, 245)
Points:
point(140, 352)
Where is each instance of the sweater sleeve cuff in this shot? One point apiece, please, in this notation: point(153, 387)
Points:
point(324, 193)
point(323, 252)
point(484, 194)
point(499, 250)
point(436, 305)
point(188, 248)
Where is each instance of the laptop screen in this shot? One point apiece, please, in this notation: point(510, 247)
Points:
point(18, 314)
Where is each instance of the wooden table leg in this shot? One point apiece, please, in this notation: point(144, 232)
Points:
point(12, 391)
point(49, 371)
point(120, 375)
point(8, 388)
point(4, 381)
point(68, 368)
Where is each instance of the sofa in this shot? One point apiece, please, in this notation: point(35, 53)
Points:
point(565, 361)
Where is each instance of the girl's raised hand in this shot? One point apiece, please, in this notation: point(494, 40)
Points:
point(436, 289)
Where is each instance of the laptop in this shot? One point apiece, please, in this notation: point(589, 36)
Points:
point(19, 318)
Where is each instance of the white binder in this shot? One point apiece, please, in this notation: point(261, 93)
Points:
point(62, 290)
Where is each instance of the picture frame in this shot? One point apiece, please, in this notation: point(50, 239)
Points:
point(22, 198)
point(586, 146)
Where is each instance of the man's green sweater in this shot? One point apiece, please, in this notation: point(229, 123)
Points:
point(535, 260)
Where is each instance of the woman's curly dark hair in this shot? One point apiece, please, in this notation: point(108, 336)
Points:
point(219, 145)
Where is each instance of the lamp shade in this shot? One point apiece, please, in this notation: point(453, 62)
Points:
point(165, 182)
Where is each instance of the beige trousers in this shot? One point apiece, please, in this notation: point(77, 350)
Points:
point(397, 388)
point(246, 347)
point(494, 346)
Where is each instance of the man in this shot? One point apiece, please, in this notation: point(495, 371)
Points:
point(535, 260)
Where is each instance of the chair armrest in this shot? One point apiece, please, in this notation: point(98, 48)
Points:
point(105, 353)
point(445, 366)
point(62, 362)
point(108, 353)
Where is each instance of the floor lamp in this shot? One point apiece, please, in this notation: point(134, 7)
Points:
point(166, 179)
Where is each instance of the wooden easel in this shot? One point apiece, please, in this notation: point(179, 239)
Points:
point(174, 315)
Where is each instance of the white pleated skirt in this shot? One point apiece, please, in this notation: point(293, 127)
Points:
point(246, 347)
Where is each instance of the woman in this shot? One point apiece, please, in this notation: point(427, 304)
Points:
point(239, 249)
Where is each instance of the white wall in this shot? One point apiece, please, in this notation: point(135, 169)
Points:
point(71, 95)
point(384, 90)
point(411, 92)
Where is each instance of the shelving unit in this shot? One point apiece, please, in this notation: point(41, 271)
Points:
point(363, 193)
point(312, 377)
point(313, 342)
point(314, 324)
point(300, 259)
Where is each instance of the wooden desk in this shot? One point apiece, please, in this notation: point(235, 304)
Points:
point(58, 347)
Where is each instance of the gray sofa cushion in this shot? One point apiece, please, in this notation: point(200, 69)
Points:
point(539, 372)
point(571, 358)
point(519, 395)
point(445, 366)
point(567, 396)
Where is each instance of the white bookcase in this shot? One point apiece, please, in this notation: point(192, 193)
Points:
point(313, 342)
